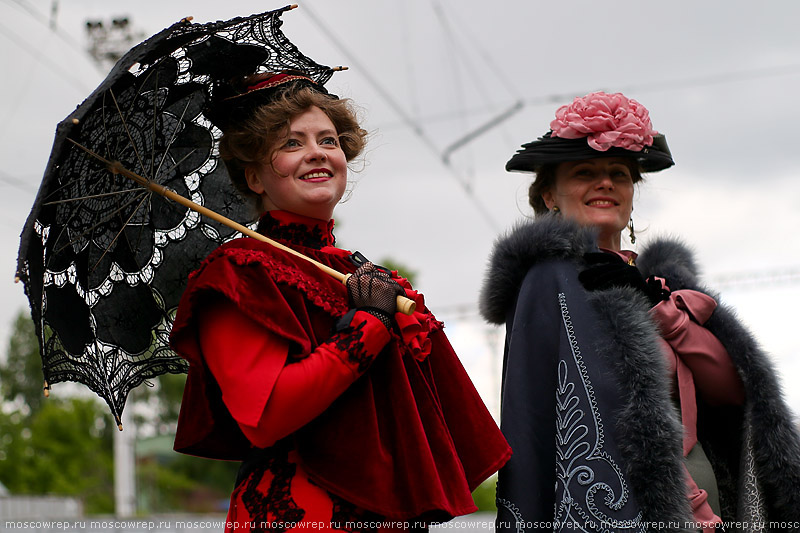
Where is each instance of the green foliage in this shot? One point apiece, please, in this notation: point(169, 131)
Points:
point(484, 495)
point(21, 374)
point(163, 400)
point(168, 481)
point(404, 270)
point(65, 448)
point(185, 483)
point(170, 394)
point(55, 446)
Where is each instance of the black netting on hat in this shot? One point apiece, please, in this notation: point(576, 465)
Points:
point(232, 102)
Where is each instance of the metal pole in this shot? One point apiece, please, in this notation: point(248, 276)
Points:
point(125, 468)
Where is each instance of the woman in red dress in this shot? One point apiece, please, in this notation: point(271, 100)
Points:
point(345, 414)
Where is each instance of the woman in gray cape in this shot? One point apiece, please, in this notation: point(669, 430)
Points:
point(632, 399)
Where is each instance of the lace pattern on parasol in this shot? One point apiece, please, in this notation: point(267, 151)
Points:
point(105, 260)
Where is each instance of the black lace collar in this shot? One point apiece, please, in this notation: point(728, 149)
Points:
point(291, 228)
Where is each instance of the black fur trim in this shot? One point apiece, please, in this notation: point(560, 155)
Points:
point(776, 440)
point(650, 436)
point(670, 259)
point(644, 425)
point(529, 242)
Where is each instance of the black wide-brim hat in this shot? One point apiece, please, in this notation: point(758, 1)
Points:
point(235, 101)
point(553, 150)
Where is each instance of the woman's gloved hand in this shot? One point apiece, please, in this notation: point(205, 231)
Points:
point(604, 271)
point(374, 291)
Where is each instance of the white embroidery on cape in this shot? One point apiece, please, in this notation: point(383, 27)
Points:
point(585, 472)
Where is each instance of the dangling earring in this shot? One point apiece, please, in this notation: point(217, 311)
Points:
point(632, 235)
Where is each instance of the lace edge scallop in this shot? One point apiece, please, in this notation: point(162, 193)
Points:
point(280, 272)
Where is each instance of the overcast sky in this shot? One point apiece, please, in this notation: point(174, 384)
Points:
point(721, 79)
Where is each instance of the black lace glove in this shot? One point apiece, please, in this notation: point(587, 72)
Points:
point(604, 271)
point(373, 290)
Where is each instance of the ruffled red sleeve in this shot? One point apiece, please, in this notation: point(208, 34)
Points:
point(253, 276)
point(244, 357)
point(275, 290)
point(399, 441)
point(269, 399)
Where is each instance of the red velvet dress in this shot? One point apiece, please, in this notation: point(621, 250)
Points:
point(341, 424)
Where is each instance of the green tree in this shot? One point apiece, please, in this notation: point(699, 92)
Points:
point(172, 481)
point(404, 270)
point(65, 448)
point(21, 378)
point(63, 445)
point(60, 446)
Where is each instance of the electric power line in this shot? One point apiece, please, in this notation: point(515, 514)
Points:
point(49, 23)
point(472, 41)
point(38, 57)
point(754, 279)
point(17, 183)
point(715, 79)
point(407, 120)
point(656, 86)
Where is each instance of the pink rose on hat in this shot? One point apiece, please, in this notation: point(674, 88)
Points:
point(605, 120)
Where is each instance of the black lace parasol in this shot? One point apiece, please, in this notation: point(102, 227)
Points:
point(104, 260)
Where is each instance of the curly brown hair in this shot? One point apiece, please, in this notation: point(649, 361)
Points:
point(546, 178)
point(258, 138)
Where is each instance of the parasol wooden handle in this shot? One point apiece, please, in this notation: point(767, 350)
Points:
point(404, 305)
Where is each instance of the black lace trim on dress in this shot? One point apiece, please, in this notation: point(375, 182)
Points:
point(310, 236)
point(347, 517)
point(349, 340)
point(273, 510)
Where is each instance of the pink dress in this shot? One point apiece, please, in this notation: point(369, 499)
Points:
point(701, 368)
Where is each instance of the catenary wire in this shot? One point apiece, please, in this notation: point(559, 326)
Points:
point(42, 19)
point(649, 87)
point(407, 120)
point(38, 57)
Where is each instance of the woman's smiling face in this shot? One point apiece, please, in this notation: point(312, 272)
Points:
point(308, 172)
point(595, 192)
